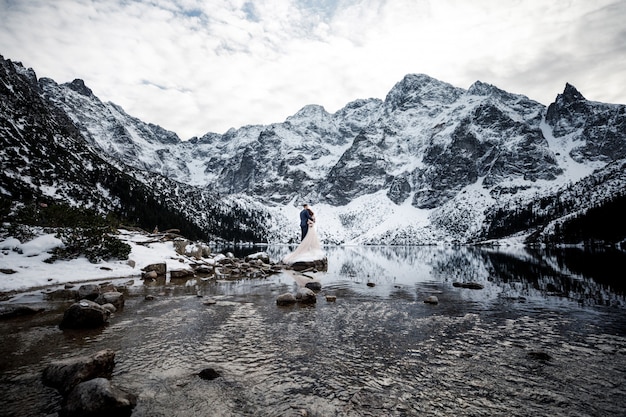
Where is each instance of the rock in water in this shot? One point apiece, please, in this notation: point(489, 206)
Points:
point(432, 300)
point(306, 296)
point(97, 397)
point(209, 374)
point(64, 375)
point(84, 315)
point(285, 299)
point(314, 285)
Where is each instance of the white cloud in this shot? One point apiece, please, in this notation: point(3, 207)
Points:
point(196, 66)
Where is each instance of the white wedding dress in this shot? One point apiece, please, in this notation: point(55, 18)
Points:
point(309, 250)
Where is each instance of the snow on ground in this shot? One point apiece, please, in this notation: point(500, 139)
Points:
point(27, 260)
point(364, 218)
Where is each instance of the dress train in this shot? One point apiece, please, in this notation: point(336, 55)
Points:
point(309, 250)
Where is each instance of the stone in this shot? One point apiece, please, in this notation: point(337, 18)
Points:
point(306, 296)
point(319, 265)
point(109, 307)
point(331, 298)
point(260, 256)
point(204, 269)
point(285, 299)
point(150, 275)
point(88, 292)
point(65, 374)
point(209, 374)
point(181, 273)
point(98, 397)
point(84, 314)
point(470, 285)
point(432, 300)
point(540, 356)
point(180, 245)
point(7, 312)
point(112, 297)
point(314, 285)
point(159, 268)
point(371, 284)
point(61, 294)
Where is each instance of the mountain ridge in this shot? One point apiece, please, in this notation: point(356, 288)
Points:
point(420, 152)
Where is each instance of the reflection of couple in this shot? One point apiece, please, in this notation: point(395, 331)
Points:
point(310, 248)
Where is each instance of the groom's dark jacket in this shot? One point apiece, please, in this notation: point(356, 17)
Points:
point(304, 218)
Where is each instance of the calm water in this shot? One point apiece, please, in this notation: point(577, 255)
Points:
point(546, 336)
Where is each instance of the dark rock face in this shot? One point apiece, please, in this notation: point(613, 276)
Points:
point(399, 189)
point(79, 86)
point(600, 128)
point(84, 314)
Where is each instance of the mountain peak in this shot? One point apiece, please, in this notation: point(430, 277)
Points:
point(415, 89)
point(480, 88)
point(79, 86)
point(571, 94)
point(309, 112)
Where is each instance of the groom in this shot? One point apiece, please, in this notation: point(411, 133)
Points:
point(305, 216)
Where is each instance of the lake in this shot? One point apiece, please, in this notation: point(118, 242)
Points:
point(546, 335)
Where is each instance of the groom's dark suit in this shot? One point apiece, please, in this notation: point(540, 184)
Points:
point(305, 216)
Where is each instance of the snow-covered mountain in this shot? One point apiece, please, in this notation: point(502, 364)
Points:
point(431, 163)
point(46, 160)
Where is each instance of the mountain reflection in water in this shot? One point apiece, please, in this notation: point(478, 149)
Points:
point(545, 336)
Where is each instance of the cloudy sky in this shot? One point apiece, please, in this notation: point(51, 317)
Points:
point(198, 66)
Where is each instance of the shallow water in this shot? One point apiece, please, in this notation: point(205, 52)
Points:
point(545, 336)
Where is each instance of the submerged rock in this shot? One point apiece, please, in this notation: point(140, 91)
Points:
point(432, 300)
point(64, 375)
point(7, 312)
point(470, 285)
point(98, 397)
point(209, 374)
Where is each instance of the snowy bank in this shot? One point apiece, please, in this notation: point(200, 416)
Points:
point(22, 265)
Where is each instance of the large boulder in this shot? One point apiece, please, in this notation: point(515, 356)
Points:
point(98, 398)
point(64, 375)
point(84, 314)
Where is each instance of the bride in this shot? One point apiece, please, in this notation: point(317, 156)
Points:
point(310, 249)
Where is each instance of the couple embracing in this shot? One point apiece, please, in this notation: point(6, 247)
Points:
point(310, 248)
